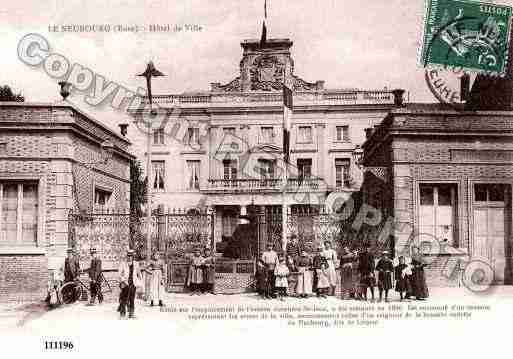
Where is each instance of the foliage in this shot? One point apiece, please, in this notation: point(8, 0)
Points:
point(137, 198)
point(7, 94)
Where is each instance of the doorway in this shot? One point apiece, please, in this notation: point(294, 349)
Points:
point(492, 220)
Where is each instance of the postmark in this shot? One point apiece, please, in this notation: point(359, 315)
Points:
point(470, 35)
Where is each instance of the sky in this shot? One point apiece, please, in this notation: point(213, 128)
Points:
point(367, 45)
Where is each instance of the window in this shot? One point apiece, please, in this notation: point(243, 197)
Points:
point(230, 171)
point(193, 136)
point(342, 133)
point(266, 168)
point(266, 135)
point(18, 212)
point(158, 136)
point(438, 212)
point(229, 131)
point(304, 134)
point(101, 198)
point(158, 174)
point(193, 179)
point(492, 192)
point(304, 167)
point(342, 174)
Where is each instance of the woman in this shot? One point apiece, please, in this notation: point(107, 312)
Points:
point(331, 258)
point(348, 280)
point(304, 280)
point(156, 270)
point(195, 277)
point(208, 272)
point(418, 278)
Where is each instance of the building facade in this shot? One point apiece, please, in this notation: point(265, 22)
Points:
point(445, 179)
point(223, 148)
point(54, 161)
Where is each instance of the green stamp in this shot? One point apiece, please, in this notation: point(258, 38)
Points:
point(465, 34)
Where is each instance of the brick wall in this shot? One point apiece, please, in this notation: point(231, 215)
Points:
point(422, 151)
point(33, 147)
point(23, 278)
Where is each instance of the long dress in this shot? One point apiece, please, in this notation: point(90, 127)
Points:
point(322, 278)
point(156, 271)
point(331, 258)
point(419, 286)
point(347, 274)
point(304, 280)
point(385, 268)
point(208, 273)
point(195, 271)
point(402, 279)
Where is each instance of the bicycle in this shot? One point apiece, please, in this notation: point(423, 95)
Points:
point(74, 290)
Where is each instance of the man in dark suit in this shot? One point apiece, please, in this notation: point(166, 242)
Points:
point(366, 267)
point(71, 267)
point(95, 275)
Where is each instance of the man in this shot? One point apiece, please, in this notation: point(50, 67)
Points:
point(130, 278)
point(292, 251)
point(318, 262)
point(270, 259)
point(95, 276)
point(366, 268)
point(71, 267)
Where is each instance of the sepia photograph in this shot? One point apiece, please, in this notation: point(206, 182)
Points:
point(256, 177)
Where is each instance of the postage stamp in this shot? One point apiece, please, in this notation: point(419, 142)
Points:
point(467, 34)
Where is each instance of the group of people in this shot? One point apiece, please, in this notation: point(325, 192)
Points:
point(358, 275)
point(151, 276)
point(70, 272)
point(317, 274)
point(200, 277)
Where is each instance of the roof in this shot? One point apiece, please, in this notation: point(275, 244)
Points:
point(70, 106)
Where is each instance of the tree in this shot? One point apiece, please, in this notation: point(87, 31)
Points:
point(137, 198)
point(7, 94)
point(137, 188)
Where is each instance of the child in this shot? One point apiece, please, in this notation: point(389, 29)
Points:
point(208, 272)
point(402, 278)
point(195, 278)
point(281, 272)
point(304, 280)
point(385, 268)
point(323, 282)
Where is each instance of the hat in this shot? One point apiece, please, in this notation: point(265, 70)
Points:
point(93, 250)
point(130, 252)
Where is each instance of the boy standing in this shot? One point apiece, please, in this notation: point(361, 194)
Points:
point(385, 267)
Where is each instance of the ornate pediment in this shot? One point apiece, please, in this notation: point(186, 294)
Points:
point(232, 86)
point(264, 69)
point(266, 73)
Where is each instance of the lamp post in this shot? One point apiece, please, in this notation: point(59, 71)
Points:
point(358, 156)
point(150, 72)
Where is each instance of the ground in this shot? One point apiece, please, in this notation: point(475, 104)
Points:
point(94, 326)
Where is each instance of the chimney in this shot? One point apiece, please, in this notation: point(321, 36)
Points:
point(368, 133)
point(123, 128)
point(464, 87)
point(398, 97)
